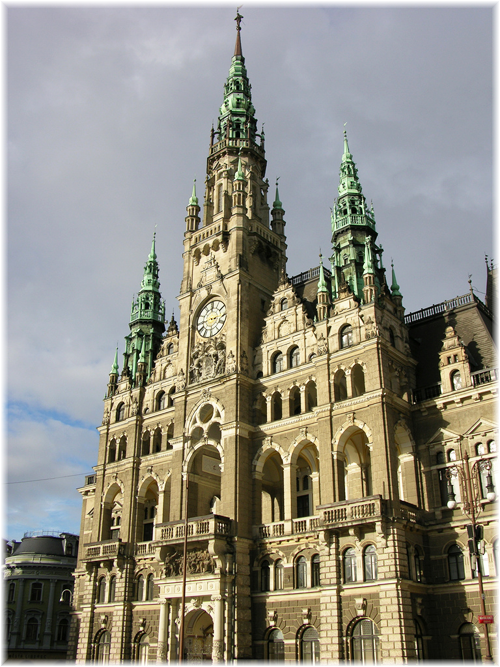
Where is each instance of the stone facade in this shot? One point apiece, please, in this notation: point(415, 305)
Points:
point(296, 435)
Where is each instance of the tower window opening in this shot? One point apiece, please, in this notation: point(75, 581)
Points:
point(301, 573)
point(278, 363)
point(346, 338)
point(350, 568)
point(456, 381)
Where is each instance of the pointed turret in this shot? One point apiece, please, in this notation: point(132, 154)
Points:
point(322, 292)
point(354, 235)
point(146, 320)
point(278, 223)
point(113, 375)
point(193, 210)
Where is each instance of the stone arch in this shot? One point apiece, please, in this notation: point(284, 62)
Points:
point(198, 624)
point(406, 475)
point(305, 491)
point(218, 408)
point(264, 452)
point(205, 462)
point(148, 499)
point(112, 505)
point(353, 440)
point(192, 451)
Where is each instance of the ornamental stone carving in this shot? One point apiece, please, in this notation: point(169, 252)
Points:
point(198, 562)
point(208, 360)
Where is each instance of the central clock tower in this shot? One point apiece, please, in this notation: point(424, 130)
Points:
point(235, 251)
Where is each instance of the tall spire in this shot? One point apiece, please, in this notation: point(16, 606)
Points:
point(322, 286)
point(394, 287)
point(114, 367)
point(237, 113)
point(193, 201)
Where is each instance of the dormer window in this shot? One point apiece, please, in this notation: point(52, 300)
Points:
point(284, 304)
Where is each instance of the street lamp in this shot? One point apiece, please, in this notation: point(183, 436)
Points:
point(470, 490)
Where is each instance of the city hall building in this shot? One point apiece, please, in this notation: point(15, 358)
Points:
point(297, 469)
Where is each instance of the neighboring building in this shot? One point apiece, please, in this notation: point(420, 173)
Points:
point(315, 423)
point(38, 576)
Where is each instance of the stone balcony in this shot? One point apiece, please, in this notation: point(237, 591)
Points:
point(105, 550)
point(344, 513)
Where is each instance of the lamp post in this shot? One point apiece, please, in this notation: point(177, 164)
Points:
point(470, 488)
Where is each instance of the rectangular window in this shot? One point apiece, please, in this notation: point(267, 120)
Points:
point(302, 506)
point(36, 592)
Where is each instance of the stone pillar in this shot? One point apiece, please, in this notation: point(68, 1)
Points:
point(257, 498)
point(348, 382)
point(173, 630)
point(340, 492)
point(218, 619)
point(289, 495)
point(331, 642)
point(47, 635)
point(302, 399)
point(14, 636)
point(315, 491)
point(161, 652)
point(160, 509)
point(269, 407)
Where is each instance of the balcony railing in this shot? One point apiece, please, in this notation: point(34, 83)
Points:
point(103, 550)
point(307, 524)
point(425, 393)
point(352, 511)
point(439, 308)
point(309, 275)
point(354, 220)
point(484, 377)
point(204, 526)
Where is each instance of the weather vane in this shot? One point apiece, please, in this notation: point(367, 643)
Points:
point(238, 17)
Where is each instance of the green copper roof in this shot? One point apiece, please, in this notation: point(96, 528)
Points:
point(277, 203)
point(240, 176)
point(322, 287)
point(237, 113)
point(394, 287)
point(193, 201)
point(114, 367)
point(349, 181)
point(148, 305)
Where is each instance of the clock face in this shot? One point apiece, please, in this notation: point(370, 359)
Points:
point(211, 319)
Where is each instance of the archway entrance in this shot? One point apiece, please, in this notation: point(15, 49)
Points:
point(199, 630)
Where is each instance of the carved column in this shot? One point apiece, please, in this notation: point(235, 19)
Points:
point(269, 408)
point(161, 652)
point(302, 399)
point(173, 629)
point(218, 641)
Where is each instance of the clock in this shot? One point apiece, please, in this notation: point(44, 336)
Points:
point(211, 319)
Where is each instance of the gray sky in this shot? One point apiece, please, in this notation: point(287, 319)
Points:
point(109, 113)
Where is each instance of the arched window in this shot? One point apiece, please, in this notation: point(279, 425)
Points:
point(112, 451)
point(294, 357)
point(350, 568)
point(146, 440)
point(309, 645)
point(120, 412)
point(219, 198)
point(170, 435)
point(160, 400)
point(32, 629)
point(150, 587)
point(62, 630)
point(122, 448)
point(275, 646)
point(170, 348)
point(112, 589)
point(139, 591)
point(295, 401)
point(492, 446)
point(102, 647)
point(265, 578)
point(171, 395)
point(101, 590)
point(456, 563)
point(157, 440)
point(301, 573)
point(440, 458)
point(364, 642)
point(278, 575)
point(346, 337)
point(315, 570)
point(451, 455)
point(470, 646)
point(480, 449)
point(277, 363)
point(340, 386)
point(456, 381)
point(283, 304)
point(419, 641)
point(370, 563)
point(311, 396)
point(277, 406)
point(417, 561)
point(357, 381)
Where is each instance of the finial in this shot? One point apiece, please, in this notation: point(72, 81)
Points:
point(470, 283)
point(237, 48)
point(277, 203)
